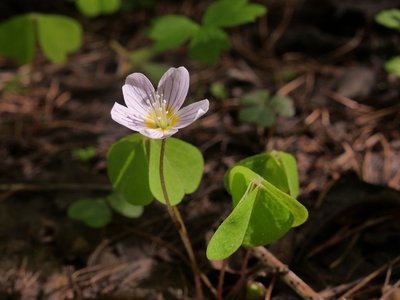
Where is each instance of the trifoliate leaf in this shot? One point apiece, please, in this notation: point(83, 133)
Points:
point(392, 66)
point(389, 18)
point(94, 8)
point(17, 39)
point(277, 167)
point(128, 169)
point(93, 212)
point(230, 234)
point(283, 106)
point(58, 36)
point(171, 31)
point(230, 13)
point(239, 179)
point(183, 169)
point(208, 43)
point(255, 108)
point(261, 214)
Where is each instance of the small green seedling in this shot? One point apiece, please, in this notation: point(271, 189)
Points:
point(389, 18)
point(219, 91)
point(208, 40)
point(94, 213)
point(84, 154)
point(56, 35)
point(261, 108)
point(97, 213)
point(392, 66)
point(94, 8)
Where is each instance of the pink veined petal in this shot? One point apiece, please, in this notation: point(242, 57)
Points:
point(191, 113)
point(137, 91)
point(174, 85)
point(126, 117)
point(158, 134)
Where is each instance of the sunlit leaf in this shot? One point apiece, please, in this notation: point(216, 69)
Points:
point(240, 177)
point(58, 36)
point(94, 8)
point(171, 31)
point(93, 212)
point(183, 169)
point(392, 66)
point(389, 18)
point(277, 167)
point(230, 234)
point(261, 214)
point(128, 169)
point(230, 13)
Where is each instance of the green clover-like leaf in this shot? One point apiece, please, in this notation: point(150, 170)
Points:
point(392, 66)
point(208, 43)
point(283, 106)
point(94, 8)
point(230, 234)
point(57, 37)
point(277, 167)
point(20, 49)
point(389, 18)
point(93, 212)
point(262, 214)
point(128, 169)
point(171, 31)
point(183, 169)
point(230, 13)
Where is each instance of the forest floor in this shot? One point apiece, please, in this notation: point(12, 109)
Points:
point(345, 136)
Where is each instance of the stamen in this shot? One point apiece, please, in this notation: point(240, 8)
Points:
point(159, 116)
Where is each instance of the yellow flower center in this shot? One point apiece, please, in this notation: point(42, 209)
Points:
point(159, 115)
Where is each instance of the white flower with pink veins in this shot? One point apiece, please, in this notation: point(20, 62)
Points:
point(157, 114)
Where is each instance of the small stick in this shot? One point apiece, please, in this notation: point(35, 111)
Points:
point(290, 278)
point(368, 278)
point(221, 279)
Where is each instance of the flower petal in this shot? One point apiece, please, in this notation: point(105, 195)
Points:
point(137, 91)
point(191, 113)
point(174, 85)
point(158, 134)
point(126, 117)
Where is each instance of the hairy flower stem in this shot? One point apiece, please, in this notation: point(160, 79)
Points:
point(180, 225)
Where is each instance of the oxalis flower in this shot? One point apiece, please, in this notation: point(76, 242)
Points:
point(157, 114)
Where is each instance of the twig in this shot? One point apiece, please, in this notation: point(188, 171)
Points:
point(221, 279)
point(290, 278)
point(268, 294)
point(368, 278)
point(388, 293)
